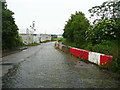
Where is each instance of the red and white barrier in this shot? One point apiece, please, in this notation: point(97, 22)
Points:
point(80, 53)
point(105, 59)
point(93, 57)
point(60, 46)
point(86, 55)
point(57, 44)
point(75, 52)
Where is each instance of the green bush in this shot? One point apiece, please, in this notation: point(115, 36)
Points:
point(105, 47)
point(68, 43)
point(102, 49)
point(115, 65)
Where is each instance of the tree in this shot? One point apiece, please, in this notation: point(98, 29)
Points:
point(109, 9)
point(107, 29)
point(10, 37)
point(74, 30)
point(107, 25)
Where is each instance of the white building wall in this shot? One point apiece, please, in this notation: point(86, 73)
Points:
point(34, 38)
point(45, 37)
point(26, 38)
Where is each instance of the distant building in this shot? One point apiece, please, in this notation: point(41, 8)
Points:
point(27, 38)
point(53, 36)
point(34, 38)
point(45, 37)
point(56, 36)
point(59, 36)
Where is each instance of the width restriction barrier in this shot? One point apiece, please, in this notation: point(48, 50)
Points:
point(97, 58)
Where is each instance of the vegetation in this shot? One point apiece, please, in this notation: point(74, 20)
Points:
point(10, 36)
point(109, 9)
point(56, 39)
point(102, 36)
point(74, 30)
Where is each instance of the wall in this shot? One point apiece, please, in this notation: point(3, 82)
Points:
point(26, 38)
point(34, 38)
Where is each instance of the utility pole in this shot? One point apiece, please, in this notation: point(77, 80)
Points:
point(33, 29)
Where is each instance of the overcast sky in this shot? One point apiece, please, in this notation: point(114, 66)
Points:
point(50, 16)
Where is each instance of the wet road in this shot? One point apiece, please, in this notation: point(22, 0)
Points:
point(50, 68)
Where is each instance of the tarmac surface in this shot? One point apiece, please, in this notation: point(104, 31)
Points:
point(44, 66)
